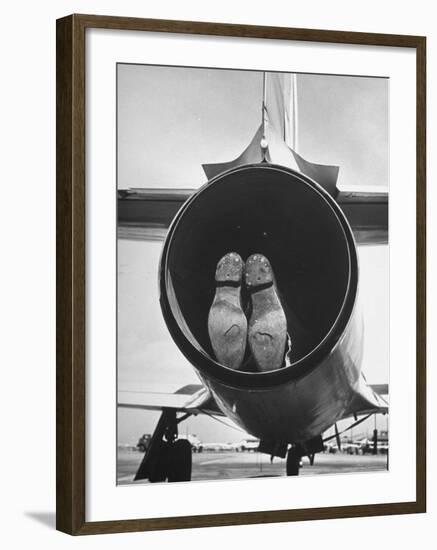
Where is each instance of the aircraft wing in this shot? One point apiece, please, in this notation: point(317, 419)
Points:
point(192, 398)
point(368, 399)
point(367, 212)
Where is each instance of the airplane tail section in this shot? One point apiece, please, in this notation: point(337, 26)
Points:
point(277, 152)
point(279, 129)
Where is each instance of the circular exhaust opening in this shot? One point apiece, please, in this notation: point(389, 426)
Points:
point(288, 218)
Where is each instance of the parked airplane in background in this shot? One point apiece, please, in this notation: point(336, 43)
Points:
point(271, 201)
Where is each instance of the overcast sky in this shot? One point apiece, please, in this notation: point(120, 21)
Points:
point(170, 120)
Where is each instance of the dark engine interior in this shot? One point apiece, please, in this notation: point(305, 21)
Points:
point(268, 210)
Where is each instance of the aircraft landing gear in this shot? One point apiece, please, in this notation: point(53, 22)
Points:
point(298, 450)
point(158, 473)
point(180, 461)
point(166, 457)
point(293, 461)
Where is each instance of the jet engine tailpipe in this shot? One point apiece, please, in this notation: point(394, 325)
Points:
point(285, 216)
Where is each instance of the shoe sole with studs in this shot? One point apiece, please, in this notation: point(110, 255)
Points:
point(227, 324)
point(267, 331)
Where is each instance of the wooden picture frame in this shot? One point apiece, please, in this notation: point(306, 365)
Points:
point(71, 254)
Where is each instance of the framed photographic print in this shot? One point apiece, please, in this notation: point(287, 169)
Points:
point(240, 274)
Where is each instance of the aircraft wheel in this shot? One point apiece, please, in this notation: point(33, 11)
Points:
point(180, 461)
point(159, 472)
point(293, 462)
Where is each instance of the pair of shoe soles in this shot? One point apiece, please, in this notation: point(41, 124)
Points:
point(230, 331)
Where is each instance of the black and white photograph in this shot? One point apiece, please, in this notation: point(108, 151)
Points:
point(252, 274)
point(219, 254)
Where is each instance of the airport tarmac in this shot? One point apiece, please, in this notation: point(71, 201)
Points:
point(233, 465)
